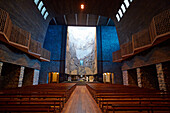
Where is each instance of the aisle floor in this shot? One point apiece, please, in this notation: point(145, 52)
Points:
point(81, 102)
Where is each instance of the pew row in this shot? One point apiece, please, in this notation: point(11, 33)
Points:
point(116, 98)
point(37, 98)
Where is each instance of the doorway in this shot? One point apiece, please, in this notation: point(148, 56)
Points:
point(53, 77)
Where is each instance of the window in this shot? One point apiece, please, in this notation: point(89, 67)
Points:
point(40, 5)
point(36, 1)
point(123, 8)
point(118, 18)
point(43, 10)
point(120, 13)
point(126, 3)
point(45, 16)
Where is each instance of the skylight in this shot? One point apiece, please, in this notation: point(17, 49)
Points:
point(126, 3)
point(43, 10)
point(118, 18)
point(123, 8)
point(120, 13)
point(40, 5)
point(36, 1)
point(45, 16)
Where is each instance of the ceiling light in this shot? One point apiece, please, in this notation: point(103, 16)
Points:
point(82, 6)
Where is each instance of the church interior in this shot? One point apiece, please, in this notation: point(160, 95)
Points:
point(84, 56)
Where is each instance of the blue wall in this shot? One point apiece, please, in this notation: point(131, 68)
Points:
point(107, 43)
point(54, 42)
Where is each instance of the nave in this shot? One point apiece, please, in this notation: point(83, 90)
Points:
point(81, 102)
point(92, 98)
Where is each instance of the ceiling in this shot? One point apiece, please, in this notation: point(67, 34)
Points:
point(96, 12)
point(82, 20)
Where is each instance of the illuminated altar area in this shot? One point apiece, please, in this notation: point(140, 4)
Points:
point(81, 51)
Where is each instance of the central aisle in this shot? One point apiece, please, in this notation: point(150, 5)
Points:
point(81, 102)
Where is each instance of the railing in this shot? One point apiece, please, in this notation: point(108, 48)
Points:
point(158, 31)
point(45, 54)
point(20, 36)
point(35, 47)
point(141, 39)
point(126, 49)
point(117, 56)
point(20, 39)
point(5, 23)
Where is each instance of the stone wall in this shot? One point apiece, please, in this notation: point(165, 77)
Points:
point(11, 55)
point(10, 75)
point(157, 54)
point(132, 77)
point(149, 77)
point(166, 73)
point(28, 76)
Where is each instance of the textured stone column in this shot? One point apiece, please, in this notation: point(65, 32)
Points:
point(139, 77)
point(21, 76)
point(36, 77)
point(1, 64)
point(160, 75)
point(125, 77)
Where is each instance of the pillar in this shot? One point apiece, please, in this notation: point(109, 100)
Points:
point(160, 75)
point(125, 77)
point(21, 76)
point(36, 77)
point(1, 64)
point(139, 77)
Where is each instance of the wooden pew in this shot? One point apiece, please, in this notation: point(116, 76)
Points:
point(39, 98)
point(128, 98)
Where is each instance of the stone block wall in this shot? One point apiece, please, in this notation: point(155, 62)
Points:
point(166, 73)
point(10, 75)
point(149, 77)
point(132, 77)
point(28, 76)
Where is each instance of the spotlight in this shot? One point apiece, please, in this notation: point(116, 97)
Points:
point(82, 6)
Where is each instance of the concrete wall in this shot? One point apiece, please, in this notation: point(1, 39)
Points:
point(56, 43)
point(138, 16)
point(25, 14)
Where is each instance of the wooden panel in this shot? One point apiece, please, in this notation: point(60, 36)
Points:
point(162, 22)
point(19, 36)
point(127, 49)
point(141, 39)
point(8, 27)
point(5, 23)
point(160, 25)
point(45, 54)
point(3, 18)
point(117, 56)
point(35, 47)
